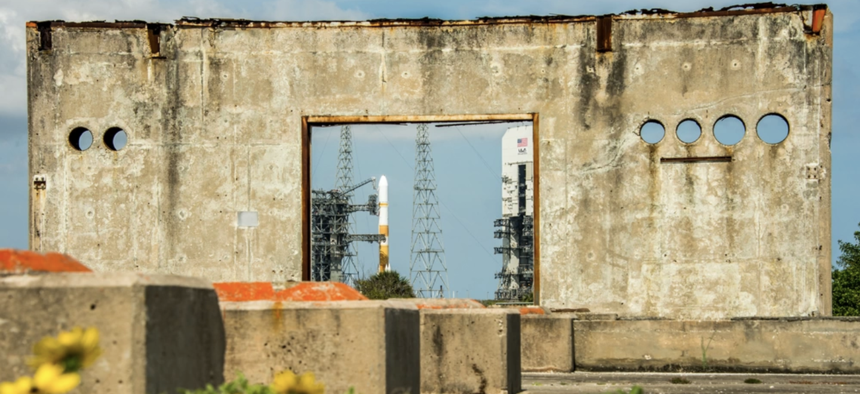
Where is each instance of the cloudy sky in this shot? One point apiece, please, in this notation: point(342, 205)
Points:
point(13, 104)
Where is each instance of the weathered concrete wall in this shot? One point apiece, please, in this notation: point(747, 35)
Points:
point(799, 345)
point(547, 343)
point(372, 346)
point(158, 333)
point(470, 351)
point(215, 122)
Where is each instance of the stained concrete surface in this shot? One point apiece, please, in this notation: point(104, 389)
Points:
point(470, 351)
point(372, 346)
point(158, 332)
point(214, 114)
point(655, 383)
point(796, 345)
point(547, 343)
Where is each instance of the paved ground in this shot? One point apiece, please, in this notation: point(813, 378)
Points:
point(653, 383)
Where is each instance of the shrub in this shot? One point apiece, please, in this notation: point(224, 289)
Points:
point(679, 381)
point(846, 292)
point(846, 280)
point(385, 285)
point(752, 381)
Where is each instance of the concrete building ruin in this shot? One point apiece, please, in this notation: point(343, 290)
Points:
point(218, 115)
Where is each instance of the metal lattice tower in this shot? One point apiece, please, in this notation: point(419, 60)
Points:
point(344, 181)
point(427, 270)
point(332, 222)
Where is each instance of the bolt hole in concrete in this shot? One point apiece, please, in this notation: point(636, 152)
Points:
point(772, 128)
point(729, 130)
point(689, 131)
point(81, 139)
point(652, 132)
point(115, 138)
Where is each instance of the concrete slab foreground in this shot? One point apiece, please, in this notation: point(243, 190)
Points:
point(729, 383)
point(470, 351)
point(443, 303)
point(158, 332)
point(796, 345)
point(547, 343)
point(372, 346)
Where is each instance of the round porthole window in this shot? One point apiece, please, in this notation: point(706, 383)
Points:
point(729, 130)
point(115, 138)
point(81, 138)
point(652, 132)
point(689, 131)
point(772, 128)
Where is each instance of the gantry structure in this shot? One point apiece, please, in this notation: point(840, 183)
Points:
point(333, 257)
point(427, 270)
point(516, 226)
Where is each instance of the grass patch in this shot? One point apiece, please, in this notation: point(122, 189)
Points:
point(679, 381)
point(752, 381)
point(634, 390)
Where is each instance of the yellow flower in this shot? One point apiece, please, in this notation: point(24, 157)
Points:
point(23, 385)
point(288, 383)
point(73, 349)
point(50, 379)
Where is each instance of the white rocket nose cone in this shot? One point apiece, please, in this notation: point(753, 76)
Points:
point(383, 189)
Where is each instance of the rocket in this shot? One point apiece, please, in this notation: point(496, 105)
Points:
point(383, 224)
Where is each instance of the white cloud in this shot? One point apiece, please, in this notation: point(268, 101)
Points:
point(302, 10)
point(14, 15)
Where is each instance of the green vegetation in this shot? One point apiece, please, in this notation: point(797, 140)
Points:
point(634, 390)
point(530, 297)
point(385, 285)
point(705, 351)
point(284, 383)
point(846, 279)
point(850, 257)
point(752, 381)
point(679, 381)
point(489, 302)
point(239, 385)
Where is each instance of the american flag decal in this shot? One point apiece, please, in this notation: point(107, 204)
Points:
point(522, 142)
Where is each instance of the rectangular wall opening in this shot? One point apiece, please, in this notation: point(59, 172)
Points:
point(460, 210)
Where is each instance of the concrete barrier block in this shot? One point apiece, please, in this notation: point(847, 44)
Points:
point(470, 351)
point(796, 345)
point(158, 332)
point(293, 291)
point(372, 346)
point(443, 303)
point(547, 343)
point(17, 262)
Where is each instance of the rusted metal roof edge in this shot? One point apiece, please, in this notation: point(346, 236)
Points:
point(747, 9)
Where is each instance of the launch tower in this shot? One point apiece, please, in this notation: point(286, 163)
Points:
point(516, 227)
point(332, 254)
point(427, 268)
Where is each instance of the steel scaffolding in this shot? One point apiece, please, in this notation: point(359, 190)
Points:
point(332, 227)
point(343, 181)
point(427, 268)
